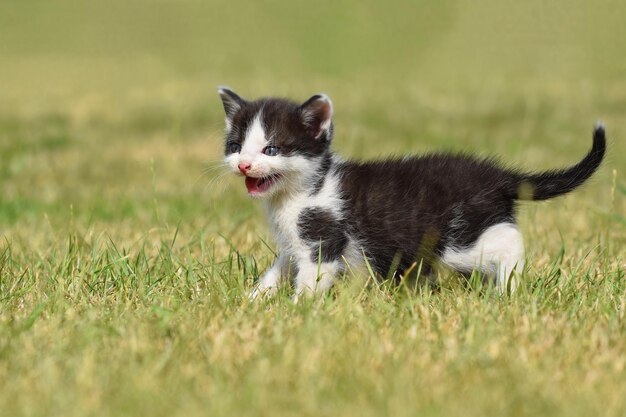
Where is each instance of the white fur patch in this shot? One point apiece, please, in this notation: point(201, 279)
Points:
point(271, 279)
point(314, 277)
point(498, 251)
point(284, 213)
point(254, 141)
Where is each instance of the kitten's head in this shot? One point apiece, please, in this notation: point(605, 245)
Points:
point(276, 144)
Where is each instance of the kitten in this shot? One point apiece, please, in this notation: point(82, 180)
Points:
point(399, 214)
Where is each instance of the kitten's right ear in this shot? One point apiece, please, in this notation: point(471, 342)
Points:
point(232, 103)
point(317, 115)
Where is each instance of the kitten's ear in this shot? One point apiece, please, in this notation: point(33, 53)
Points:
point(317, 115)
point(231, 101)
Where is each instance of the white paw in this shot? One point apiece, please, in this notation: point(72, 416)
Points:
point(295, 298)
point(302, 292)
point(259, 292)
point(508, 286)
point(254, 294)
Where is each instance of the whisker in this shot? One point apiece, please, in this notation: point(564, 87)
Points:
point(209, 170)
point(203, 174)
point(215, 179)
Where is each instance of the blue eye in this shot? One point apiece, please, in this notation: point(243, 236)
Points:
point(270, 150)
point(234, 147)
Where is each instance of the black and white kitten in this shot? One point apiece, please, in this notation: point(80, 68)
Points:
point(328, 214)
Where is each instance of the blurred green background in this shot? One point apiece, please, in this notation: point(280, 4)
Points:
point(108, 110)
point(52, 49)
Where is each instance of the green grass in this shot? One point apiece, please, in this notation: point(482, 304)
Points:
point(126, 256)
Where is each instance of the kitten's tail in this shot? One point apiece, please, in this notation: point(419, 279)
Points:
point(553, 183)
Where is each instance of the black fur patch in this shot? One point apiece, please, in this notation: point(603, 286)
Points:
point(409, 210)
point(317, 226)
point(323, 169)
point(283, 122)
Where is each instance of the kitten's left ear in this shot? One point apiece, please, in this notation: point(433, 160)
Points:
point(317, 115)
point(231, 101)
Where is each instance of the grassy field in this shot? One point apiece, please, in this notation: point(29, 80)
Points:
point(126, 255)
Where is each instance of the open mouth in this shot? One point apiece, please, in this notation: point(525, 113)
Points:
point(257, 186)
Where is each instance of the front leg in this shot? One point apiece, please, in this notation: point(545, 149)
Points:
point(269, 282)
point(323, 242)
point(315, 278)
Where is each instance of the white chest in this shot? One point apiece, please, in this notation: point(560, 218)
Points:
point(284, 214)
point(283, 217)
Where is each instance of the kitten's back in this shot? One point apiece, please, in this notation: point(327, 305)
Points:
point(413, 207)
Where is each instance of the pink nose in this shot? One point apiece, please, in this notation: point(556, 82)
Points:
point(244, 167)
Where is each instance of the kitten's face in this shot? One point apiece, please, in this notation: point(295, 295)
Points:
point(275, 144)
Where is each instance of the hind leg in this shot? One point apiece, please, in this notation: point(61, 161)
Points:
point(498, 252)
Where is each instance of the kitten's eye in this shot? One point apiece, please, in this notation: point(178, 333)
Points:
point(271, 150)
point(234, 147)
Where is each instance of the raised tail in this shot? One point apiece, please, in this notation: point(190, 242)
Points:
point(553, 183)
